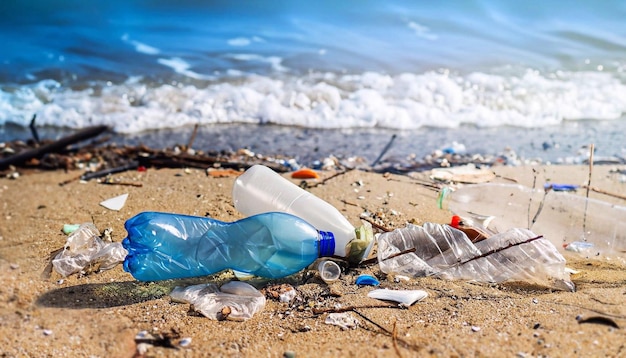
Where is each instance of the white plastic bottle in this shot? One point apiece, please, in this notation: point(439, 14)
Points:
point(561, 217)
point(260, 190)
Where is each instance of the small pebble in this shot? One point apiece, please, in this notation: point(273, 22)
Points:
point(47, 332)
point(289, 354)
point(185, 342)
point(475, 328)
point(535, 301)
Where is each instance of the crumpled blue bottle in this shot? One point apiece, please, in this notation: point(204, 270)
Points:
point(165, 246)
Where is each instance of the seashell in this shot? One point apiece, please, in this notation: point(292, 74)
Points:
point(403, 297)
point(367, 280)
point(115, 203)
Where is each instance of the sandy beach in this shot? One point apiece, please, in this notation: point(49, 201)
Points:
point(100, 314)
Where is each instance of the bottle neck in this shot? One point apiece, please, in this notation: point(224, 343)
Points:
point(326, 244)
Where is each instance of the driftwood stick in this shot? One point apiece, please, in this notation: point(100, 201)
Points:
point(55, 146)
point(33, 129)
point(193, 136)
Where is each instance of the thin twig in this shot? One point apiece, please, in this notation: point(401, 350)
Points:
point(193, 136)
point(350, 308)
point(374, 224)
point(387, 332)
point(394, 338)
point(597, 190)
point(330, 177)
point(588, 186)
point(393, 137)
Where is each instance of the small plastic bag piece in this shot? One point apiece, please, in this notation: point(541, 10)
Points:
point(434, 249)
point(343, 320)
point(235, 300)
point(84, 248)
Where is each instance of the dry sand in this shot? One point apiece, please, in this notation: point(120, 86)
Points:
point(99, 314)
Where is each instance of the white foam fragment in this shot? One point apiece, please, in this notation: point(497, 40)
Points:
point(403, 297)
point(116, 203)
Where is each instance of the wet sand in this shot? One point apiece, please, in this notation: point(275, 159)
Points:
point(99, 314)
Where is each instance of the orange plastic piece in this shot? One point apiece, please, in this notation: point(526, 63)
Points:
point(305, 173)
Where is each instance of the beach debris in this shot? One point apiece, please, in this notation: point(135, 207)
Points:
point(70, 228)
point(475, 329)
point(115, 203)
point(441, 250)
point(85, 248)
point(367, 280)
point(562, 217)
point(329, 271)
point(164, 246)
point(146, 340)
point(598, 320)
point(579, 246)
point(52, 147)
point(344, 320)
point(222, 173)
point(404, 297)
point(234, 300)
point(305, 173)
point(184, 342)
point(283, 292)
point(468, 173)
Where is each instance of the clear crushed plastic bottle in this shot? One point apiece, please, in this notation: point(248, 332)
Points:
point(562, 217)
point(260, 189)
point(165, 246)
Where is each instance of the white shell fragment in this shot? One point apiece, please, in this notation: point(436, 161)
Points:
point(403, 297)
point(116, 203)
point(235, 300)
point(343, 320)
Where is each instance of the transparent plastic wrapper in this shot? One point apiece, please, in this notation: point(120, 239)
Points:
point(235, 300)
point(165, 246)
point(260, 190)
point(561, 217)
point(329, 271)
point(434, 249)
point(84, 248)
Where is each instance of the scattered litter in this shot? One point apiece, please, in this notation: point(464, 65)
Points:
point(463, 174)
point(116, 203)
point(165, 246)
point(222, 173)
point(329, 271)
point(305, 173)
point(70, 228)
point(284, 292)
point(185, 342)
point(434, 249)
point(367, 280)
point(560, 187)
point(579, 246)
point(235, 300)
point(84, 248)
point(558, 216)
point(404, 297)
point(598, 320)
point(344, 320)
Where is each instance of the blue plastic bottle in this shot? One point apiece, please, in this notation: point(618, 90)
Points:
point(165, 246)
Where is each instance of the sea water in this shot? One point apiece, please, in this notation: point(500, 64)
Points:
point(545, 78)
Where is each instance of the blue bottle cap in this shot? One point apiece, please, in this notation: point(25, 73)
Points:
point(326, 244)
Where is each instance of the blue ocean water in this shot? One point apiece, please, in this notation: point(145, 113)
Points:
point(543, 77)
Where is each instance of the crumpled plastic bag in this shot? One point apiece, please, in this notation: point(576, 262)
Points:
point(434, 249)
point(235, 300)
point(84, 248)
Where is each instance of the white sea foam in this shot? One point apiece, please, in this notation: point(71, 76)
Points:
point(140, 46)
point(181, 66)
point(407, 101)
